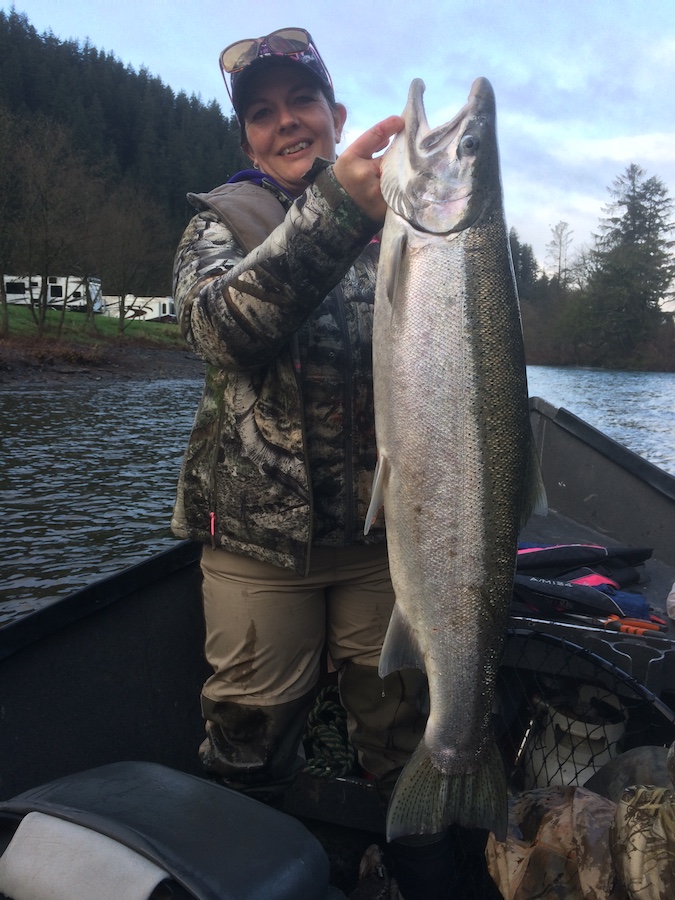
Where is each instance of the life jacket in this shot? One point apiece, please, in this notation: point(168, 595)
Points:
point(579, 579)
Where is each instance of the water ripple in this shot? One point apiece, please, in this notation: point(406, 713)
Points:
point(88, 480)
point(637, 409)
point(88, 473)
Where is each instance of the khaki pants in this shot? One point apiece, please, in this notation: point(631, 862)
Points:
point(265, 632)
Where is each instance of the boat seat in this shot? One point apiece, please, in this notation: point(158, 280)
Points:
point(178, 835)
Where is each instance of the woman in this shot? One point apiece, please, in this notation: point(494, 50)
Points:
point(274, 283)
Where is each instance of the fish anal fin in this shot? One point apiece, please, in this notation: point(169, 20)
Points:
point(400, 649)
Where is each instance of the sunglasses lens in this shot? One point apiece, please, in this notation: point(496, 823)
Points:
point(283, 42)
point(288, 40)
point(239, 55)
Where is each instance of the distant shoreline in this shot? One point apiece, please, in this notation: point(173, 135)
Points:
point(28, 363)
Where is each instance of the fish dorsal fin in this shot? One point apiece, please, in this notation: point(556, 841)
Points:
point(400, 649)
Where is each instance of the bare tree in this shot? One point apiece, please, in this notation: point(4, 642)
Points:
point(558, 247)
point(59, 200)
point(581, 267)
point(6, 128)
point(135, 236)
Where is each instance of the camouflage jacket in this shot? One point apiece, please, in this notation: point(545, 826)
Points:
point(282, 450)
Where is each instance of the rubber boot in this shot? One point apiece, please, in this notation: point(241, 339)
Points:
point(386, 718)
point(255, 749)
point(423, 867)
point(449, 866)
point(473, 875)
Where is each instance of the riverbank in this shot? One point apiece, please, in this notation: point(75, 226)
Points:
point(27, 361)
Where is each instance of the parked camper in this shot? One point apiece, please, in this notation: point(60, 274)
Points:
point(24, 290)
point(149, 309)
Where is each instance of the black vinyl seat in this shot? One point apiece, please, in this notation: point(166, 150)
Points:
point(214, 843)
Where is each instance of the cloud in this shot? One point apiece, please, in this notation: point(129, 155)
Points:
point(583, 89)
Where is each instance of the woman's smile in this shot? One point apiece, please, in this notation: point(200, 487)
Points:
point(289, 122)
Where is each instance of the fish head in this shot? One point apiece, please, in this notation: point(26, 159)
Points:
point(445, 179)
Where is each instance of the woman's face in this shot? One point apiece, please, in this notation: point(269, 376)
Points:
point(289, 122)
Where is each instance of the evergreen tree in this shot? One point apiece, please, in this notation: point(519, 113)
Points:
point(524, 265)
point(632, 265)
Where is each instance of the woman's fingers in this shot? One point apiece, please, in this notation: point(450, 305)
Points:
point(359, 172)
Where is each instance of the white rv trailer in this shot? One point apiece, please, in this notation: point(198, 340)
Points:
point(69, 289)
point(146, 308)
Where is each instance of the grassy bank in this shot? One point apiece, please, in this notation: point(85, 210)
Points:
point(69, 342)
point(73, 328)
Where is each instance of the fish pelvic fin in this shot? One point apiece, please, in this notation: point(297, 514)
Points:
point(377, 494)
point(400, 649)
point(425, 801)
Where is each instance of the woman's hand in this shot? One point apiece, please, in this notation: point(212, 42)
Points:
point(359, 173)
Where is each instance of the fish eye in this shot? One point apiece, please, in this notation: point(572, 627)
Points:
point(469, 143)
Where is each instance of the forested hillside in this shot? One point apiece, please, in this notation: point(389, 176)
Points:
point(72, 111)
point(96, 160)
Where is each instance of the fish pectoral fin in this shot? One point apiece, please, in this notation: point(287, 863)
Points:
point(535, 492)
point(426, 801)
point(391, 266)
point(377, 495)
point(400, 649)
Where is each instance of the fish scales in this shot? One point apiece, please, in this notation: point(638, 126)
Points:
point(454, 451)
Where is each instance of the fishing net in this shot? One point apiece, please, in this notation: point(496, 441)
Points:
point(563, 712)
point(564, 718)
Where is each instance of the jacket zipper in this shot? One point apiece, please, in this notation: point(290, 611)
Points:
point(297, 371)
point(213, 518)
point(349, 417)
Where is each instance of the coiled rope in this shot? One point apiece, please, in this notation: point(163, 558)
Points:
point(327, 746)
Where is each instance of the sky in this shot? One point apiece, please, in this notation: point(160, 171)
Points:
point(584, 88)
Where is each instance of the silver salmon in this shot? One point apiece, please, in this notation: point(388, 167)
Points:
point(457, 473)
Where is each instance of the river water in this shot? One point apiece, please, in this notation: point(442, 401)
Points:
point(637, 409)
point(88, 472)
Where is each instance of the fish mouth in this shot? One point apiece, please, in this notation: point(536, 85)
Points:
point(434, 178)
point(457, 196)
point(479, 105)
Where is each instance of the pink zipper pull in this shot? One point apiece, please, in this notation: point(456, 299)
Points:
point(212, 528)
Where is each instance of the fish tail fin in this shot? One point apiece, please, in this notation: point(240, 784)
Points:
point(426, 801)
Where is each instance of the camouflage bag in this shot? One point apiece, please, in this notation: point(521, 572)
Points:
point(556, 848)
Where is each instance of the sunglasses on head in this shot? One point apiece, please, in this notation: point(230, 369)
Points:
point(295, 43)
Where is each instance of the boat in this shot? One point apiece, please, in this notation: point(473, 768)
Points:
point(101, 687)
